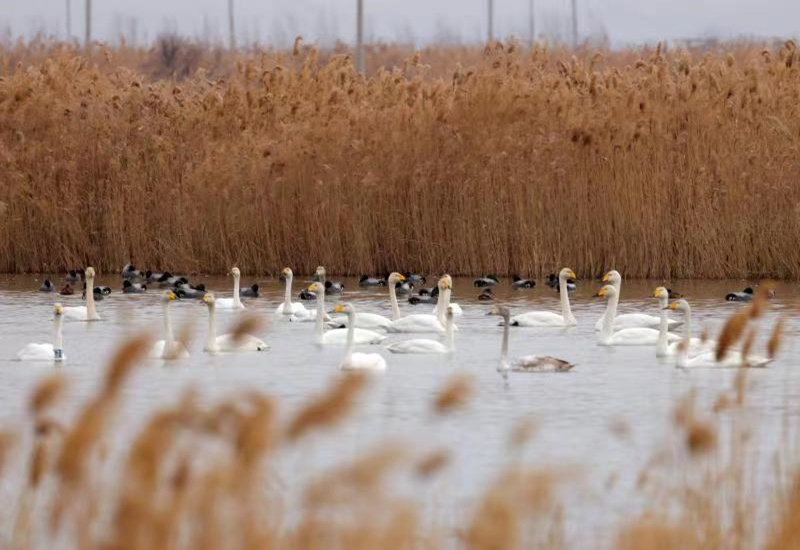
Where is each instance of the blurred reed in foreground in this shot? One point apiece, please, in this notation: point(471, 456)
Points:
point(661, 163)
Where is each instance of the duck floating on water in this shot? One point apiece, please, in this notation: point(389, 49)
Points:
point(47, 286)
point(488, 280)
point(486, 295)
point(519, 282)
point(366, 281)
point(133, 288)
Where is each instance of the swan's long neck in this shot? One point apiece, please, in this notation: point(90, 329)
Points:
point(566, 310)
point(451, 339)
point(91, 312)
point(351, 334)
point(237, 302)
point(58, 339)
point(608, 318)
point(442, 305)
point(211, 341)
point(687, 325)
point(661, 344)
point(167, 326)
point(395, 305)
point(504, 347)
point(287, 298)
point(320, 316)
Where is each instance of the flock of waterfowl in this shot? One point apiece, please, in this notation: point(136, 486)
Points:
point(344, 326)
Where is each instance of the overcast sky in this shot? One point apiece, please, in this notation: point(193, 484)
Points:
point(418, 21)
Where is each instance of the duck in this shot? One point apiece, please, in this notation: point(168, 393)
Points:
point(87, 312)
point(673, 295)
point(372, 321)
point(73, 276)
point(310, 315)
point(486, 295)
point(133, 288)
point(306, 294)
point(488, 280)
point(235, 302)
point(251, 292)
point(628, 320)
point(696, 345)
point(47, 286)
point(631, 336)
point(550, 318)
point(403, 287)
point(168, 280)
point(185, 291)
point(130, 272)
point(168, 348)
point(47, 352)
point(331, 287)
point(421, 322)
point(527, 363)
point(152, 277)
point(287, 307)
point(227, 342)
point(519, 283)
point(425, 296)
point(366, 281)
point(354, 360)
point(427, 346)
point(99, 292)
point(341, 335)
point(744, 296)
point(67, 290)
point(415, 278)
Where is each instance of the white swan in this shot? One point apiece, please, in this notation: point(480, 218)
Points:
point(310, 315)
point(47, 352)
point(663, 348)
point(87, 312)
point(630, 320)
point(288, 307)
point(226, 342)
point(235, 302)
point(341, 335)
point(708, 360)
point(528, 363)
point(550, 318)
point(168, 348)
point(357, 361)
point(373, 320)
point(634, 336)
point(457, 311)
point(421, 322)
point(424, 345)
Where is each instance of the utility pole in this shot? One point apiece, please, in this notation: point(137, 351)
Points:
point(574, 23)
point(69, 20)
point(360, 36)
point(531, 23)
point(231, 26)
point(490, 21)
point(88, 23)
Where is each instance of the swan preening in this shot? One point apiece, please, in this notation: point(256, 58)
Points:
point(227, 342)
point(168, 348)
point(527, 363)
point(631, 336)
point(549, 318)
point(87, 312)
point(628, 320)
point(357, 361)
point(47, 352)
point(424, 345)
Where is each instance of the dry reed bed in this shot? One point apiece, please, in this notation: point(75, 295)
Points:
point(678, 164)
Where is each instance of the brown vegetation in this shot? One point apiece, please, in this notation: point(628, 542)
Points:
point(659, 163)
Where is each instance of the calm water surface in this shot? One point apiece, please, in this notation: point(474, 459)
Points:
point(574, 410)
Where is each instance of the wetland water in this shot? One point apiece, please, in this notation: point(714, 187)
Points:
point(575, 411)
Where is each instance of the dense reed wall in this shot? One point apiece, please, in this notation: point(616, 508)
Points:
point(678, 164)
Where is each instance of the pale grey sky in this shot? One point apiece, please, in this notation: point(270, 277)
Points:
point(418, 21)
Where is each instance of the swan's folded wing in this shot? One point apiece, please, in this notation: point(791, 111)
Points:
point(416, 323)
point(244, 343)
point(541, 363)
point(419, 345)
point(365, 361)
point(635, 336)
point(538, 319)
point(36, 352)
point(76, 313)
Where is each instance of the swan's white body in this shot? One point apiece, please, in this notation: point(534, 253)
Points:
point(708, 360)
point(226, 342)
point(168, 348)
point(366, 320)
point(635, 336)
point(288, 307)
point(235, 302)
point(47, 352)
point(527, 363)
point(457, 311)
point(630, 320)
point(550, 318)
point(357, 361)
point(87, 312)
point(426, 346)
point(421, 322)
point(341, 335)
point(666, 349)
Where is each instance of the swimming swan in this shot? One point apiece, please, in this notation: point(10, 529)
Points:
point(288, 307)
point(629, 320)
point(550, 318)
point(47, 352)
point(633, 336)
point(341, 335)
point(226, 342)
point(664, 349)
point(528, 363)
point(732, 359)
point(235, 302)
point(424, 345)
point(87, 312)
point(421, 322)
point(168, 348)
point(357, 361)
point(373, 320)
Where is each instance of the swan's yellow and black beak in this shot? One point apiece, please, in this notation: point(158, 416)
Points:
point(312, 288)
point(657, 292)
point(340, 308)
point(58, 310)
point(606, 277)
point(401, 277)
point(171, 296)
point(207, 298)
point(601, 293)
point(285, 272)
point(572, 275)
point(673, 305)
